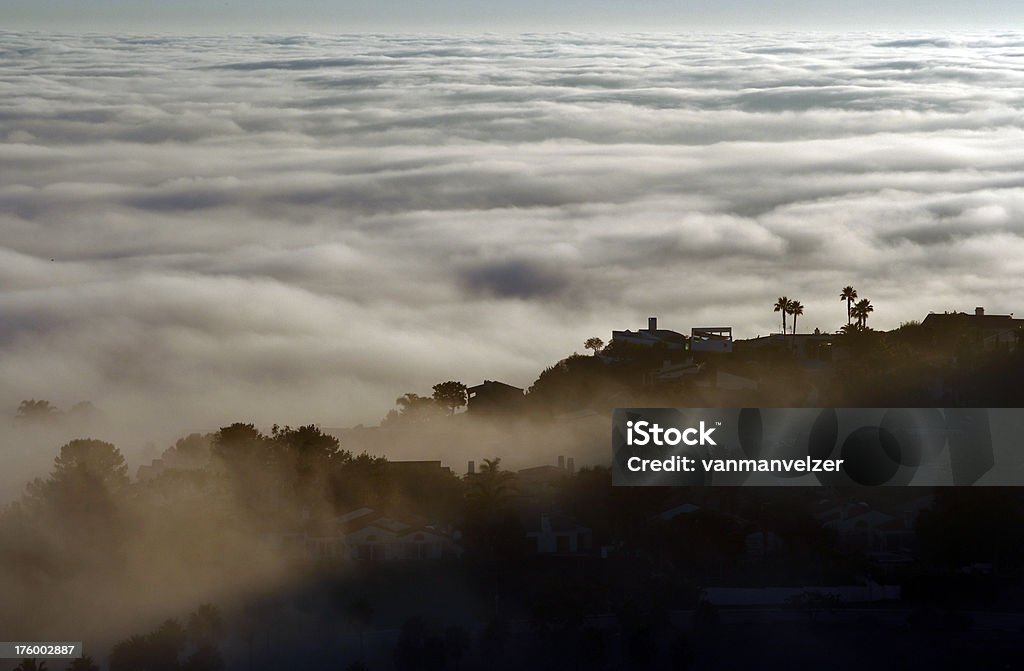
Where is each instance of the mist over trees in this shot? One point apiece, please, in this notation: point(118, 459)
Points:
point(226, 518)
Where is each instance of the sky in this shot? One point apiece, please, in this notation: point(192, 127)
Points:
point(331, 16)
point(199, 230)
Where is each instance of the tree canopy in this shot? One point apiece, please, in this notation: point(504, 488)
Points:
point(450, 394)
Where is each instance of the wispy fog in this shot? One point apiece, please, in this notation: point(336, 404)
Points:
point(300, 229)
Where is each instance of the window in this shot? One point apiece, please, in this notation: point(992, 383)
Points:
point(370, 552)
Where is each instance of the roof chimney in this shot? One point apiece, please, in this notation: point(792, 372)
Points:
point(652, 324)
point(471, 468)
point(979, 312)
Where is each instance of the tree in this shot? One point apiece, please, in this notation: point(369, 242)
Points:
point(782, 305)
point(83, 664)
point(30, 665)
point(205, 628)
point(412, 408)
point(594, 343)
point(81, 491)
point(36, 411)
point(796, 309)
point(80, 504)
point(305, 455)
point(306, 441)
point(205, 658)
point(192, 451)
point(848, 294)
point(240, 446)
point(861, 310)
point(450, 394)
point(131, 654)
point(205, 625)
point(491, 487)
point(492, 529)
point(165, 646)
point(90, 459)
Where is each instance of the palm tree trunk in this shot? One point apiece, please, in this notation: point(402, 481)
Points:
point(849, 311)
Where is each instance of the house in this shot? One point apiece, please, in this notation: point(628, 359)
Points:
point(711, 339)
point(989, 332)
point(150, 471)
point(557, 533)
point(418, 468)
point(368, 535)
point(763, 545)
point(652, 336)
point(871, 530)
point(811, 350)
point(494, 397)
point(682, 509)
point(540, 481)
point(188, 454)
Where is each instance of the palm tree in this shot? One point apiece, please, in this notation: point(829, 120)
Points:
point(782, 305)
point(796, 309)
point(205, 625)
point(166, 644)
point(861, 311)
point(848, 294)
point(130, 654)
point(491, 487)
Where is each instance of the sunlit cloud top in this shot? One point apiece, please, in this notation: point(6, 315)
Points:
point(303, 228)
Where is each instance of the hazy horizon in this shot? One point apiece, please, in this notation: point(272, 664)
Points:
point(301, 229)
point(498, 16)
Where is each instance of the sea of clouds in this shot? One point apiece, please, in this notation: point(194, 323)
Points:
point(302, 228)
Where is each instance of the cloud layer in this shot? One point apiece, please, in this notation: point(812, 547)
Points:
point(303, 228)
